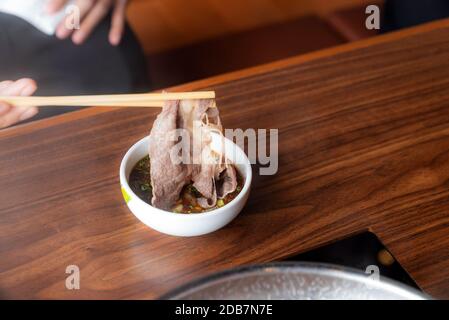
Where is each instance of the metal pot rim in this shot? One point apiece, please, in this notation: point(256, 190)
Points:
point(297, 267)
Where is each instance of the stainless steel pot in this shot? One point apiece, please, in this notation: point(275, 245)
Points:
point(300, 280)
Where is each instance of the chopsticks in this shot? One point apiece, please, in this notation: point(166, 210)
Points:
point(150, 100)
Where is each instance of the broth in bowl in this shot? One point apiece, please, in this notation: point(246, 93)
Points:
point(139, 181)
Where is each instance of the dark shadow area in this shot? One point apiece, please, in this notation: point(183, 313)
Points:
point(359, 252)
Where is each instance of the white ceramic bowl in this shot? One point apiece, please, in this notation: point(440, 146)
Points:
point(185, 225)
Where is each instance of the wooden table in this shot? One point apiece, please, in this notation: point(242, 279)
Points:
point(364, 145)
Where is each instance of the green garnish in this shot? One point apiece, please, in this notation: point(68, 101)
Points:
point(194, 191)
point(145, 187)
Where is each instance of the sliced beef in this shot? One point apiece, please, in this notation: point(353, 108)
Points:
point(167, 178)
point(199, 118)
point(227, 183)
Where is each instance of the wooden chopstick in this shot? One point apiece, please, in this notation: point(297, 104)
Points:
point(118, 100)
point(38, 102)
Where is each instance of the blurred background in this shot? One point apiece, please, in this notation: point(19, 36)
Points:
point(211, 37)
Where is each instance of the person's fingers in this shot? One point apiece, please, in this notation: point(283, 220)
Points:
point(62, 31)
point(29, 88)
point(15, 88)
point(9, 118)
point(29, 113)
point(17, 114)
point(92, 19)
point(54, 6)
point(10, 115)
point(117, 22)
point(20, 87)
point(4, 85)
point(4, 108)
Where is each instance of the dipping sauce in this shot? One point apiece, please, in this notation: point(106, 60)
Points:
point(140, 183)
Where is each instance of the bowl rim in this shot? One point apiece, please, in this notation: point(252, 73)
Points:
point(125, 184)
point(301, 267)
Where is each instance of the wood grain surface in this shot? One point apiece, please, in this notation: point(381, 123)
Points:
point(363, 145)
